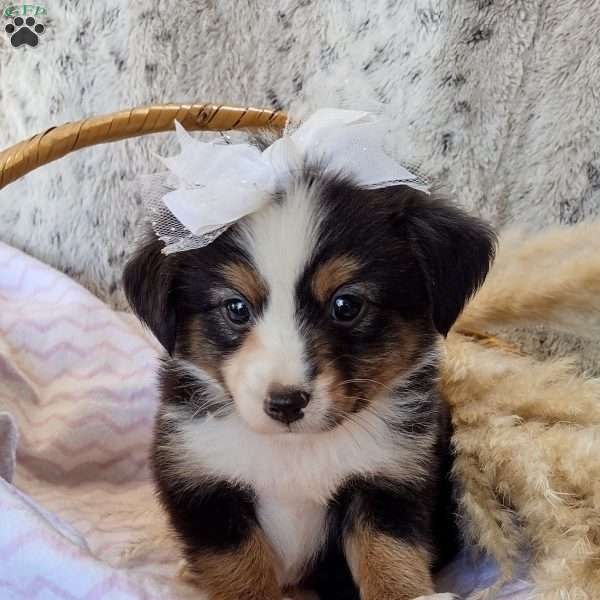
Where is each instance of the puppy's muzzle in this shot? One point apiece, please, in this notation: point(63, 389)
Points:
point(286, 404)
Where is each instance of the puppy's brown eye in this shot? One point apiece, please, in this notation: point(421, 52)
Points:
point(346, 308)
point(237, 311)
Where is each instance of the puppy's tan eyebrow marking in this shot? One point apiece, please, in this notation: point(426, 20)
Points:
point(247, 281)
point(332, 274)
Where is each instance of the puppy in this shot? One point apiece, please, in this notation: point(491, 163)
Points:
point(302, 441)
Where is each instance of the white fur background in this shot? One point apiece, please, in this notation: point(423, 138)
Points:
point(498, 99)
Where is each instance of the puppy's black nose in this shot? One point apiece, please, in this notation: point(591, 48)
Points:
point(286, 404)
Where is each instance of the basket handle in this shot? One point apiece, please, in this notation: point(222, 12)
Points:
point(56, 142)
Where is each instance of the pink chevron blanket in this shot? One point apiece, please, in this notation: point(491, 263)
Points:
point(78, 519)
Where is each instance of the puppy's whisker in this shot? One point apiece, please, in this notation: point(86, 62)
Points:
point(362, 380)
point(352, 435)
point(210, 401)
point(357, 418)
point(197, 412)
point(355, 421)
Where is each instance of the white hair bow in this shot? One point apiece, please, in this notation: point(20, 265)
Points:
point(213, 185)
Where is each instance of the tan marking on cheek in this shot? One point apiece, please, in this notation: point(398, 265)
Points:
point(385, 568)
point(246, 281)
point(332, 274)
point(342, 403)
point(200, 350)
point(398, 356)
point(331, 381)
point(238, 363)
point(247, 573)
point(374, 374)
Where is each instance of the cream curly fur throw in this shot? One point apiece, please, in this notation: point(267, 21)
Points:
point(527, 433)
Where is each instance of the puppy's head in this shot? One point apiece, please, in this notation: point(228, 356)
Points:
point(318, 305)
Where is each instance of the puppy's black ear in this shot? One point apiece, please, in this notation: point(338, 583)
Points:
point(455, 250)
point(148, 283)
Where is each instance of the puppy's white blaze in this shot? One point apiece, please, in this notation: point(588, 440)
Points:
point(280, 239)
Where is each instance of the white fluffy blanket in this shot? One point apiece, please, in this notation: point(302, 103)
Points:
point(77, 396)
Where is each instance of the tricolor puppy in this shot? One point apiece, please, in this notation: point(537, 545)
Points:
point(302, 442)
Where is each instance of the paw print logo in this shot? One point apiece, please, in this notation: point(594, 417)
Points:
point(24, 31)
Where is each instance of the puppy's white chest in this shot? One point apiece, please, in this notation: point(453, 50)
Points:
point(293, 477)
point(295, 528)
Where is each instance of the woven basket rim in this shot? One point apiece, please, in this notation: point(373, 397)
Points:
point(56, 142)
